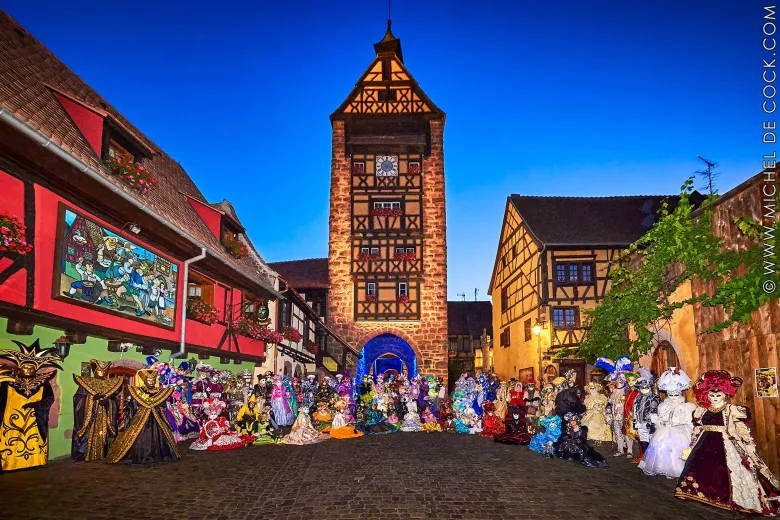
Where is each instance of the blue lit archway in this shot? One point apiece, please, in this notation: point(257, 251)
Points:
point(380, 350)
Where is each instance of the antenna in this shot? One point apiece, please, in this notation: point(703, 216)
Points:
point(462, 295)
point(388, 11)
point(708, 175)
point(476, 292)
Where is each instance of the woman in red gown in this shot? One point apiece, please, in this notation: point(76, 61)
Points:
point(723, 468)
point(492, 424)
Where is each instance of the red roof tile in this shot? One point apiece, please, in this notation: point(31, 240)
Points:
point(311, 273)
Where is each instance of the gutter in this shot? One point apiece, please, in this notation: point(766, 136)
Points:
point(48, 144)
point(183, 342)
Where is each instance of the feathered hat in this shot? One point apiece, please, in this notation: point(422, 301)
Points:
point(645, 379)
point(716, 380)
point(674, 381)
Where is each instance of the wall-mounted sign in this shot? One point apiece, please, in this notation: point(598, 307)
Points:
point(100, 269)
point(766, 382)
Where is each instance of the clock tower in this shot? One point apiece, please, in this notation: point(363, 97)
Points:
point(388, 249)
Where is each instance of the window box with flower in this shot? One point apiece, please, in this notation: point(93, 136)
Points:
point(131, 173)
point(201, 311)
point(291, 334)
point(385, 212)
point(312, 347)
point(407, 257)
point(12, 235)
point(368, 257)
point(251, 328)
point(403, 299)
point(371, 298)
point(235, 246)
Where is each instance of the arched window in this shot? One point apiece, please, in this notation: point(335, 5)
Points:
point(664, 357)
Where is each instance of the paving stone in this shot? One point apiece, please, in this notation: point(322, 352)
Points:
point(398, 476)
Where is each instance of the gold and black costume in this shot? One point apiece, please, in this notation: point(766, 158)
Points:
point(95, 406)
point(148, 437)
point(26, 397)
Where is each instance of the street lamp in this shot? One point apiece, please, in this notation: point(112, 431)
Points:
point(63, 346)
point(537, 330)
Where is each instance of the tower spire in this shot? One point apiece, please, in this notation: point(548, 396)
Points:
point(389, 43)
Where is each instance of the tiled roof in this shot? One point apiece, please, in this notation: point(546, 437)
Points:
point(311, 273)
point(29, 72)
point(469, 318)
point(589, 220)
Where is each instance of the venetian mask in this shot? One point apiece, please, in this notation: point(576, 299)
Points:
point(27, 370)
point(716, 398)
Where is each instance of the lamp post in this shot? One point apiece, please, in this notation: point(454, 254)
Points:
point(63, 346)
point(537, 330)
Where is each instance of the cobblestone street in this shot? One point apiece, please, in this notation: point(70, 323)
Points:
point(399, 476)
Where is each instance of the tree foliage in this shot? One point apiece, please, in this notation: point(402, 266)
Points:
point(676, 249)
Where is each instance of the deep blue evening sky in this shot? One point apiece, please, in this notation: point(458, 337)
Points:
point(542, 98)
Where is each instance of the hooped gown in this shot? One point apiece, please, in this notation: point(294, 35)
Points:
point(515, 431)
point(671, 438)
point(595, 418)
point(376, 424)
point(543, 442)
point(723, 468)
point(339, 429)
point(148, 437)
point(303, 432)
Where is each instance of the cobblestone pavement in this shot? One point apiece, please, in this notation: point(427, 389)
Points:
point(398, 476)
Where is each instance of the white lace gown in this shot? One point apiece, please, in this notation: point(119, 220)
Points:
point(674, 427)
point(411, 419)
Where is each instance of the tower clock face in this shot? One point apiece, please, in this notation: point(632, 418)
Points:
point(386, 165)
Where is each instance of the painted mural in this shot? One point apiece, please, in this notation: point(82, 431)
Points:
point(101, 269)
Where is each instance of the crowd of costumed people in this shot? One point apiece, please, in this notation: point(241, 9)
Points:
point(707, 447)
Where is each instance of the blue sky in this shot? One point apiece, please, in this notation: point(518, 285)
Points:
point(566, 98)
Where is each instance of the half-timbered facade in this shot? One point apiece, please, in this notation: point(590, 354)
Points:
point(118, 268)
point(387, 256)
point(553, 262)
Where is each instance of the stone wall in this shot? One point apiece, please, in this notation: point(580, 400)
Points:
point(428, 337)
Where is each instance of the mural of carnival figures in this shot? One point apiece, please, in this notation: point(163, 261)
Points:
point(99, 268)
point(26, 396)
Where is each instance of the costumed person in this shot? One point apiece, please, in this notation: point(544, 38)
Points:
point(722, 468)
point(492, 424)
point(309, 388)
point(292, 398)
point(459, 421)
point(674, 427)
point(95, 412)
point(26, 396)
point(516, 393)
point(280, 403)
point(615, 411)
point(628, 413)
point(430, 423)
point(325, 390)
point(544, 442)
point(531, 396)
point(375, 422)
point(573, 445)
point(569, 399)
point(303, 432)
point(645, 407)
point(366, 398)
point(515, 428)
point(215, 434)
point(265, 432)
point(445, 416)
point(340, 428)
point(412, 418)
point(200, 389)
point(473, 421)
point(148, 437)
point(595, 420)
point(500, 402)
point(322, 417)
point(559, 383)
point(249, 417)
point(548, 400)
point(183, 424)
point(393, 420)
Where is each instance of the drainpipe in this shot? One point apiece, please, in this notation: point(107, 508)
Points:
point(183, 342)
point(86, 169)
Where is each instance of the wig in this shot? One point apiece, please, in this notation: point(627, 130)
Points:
point(713, 381)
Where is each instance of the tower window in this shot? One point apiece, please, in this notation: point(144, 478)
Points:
point(403, 289)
